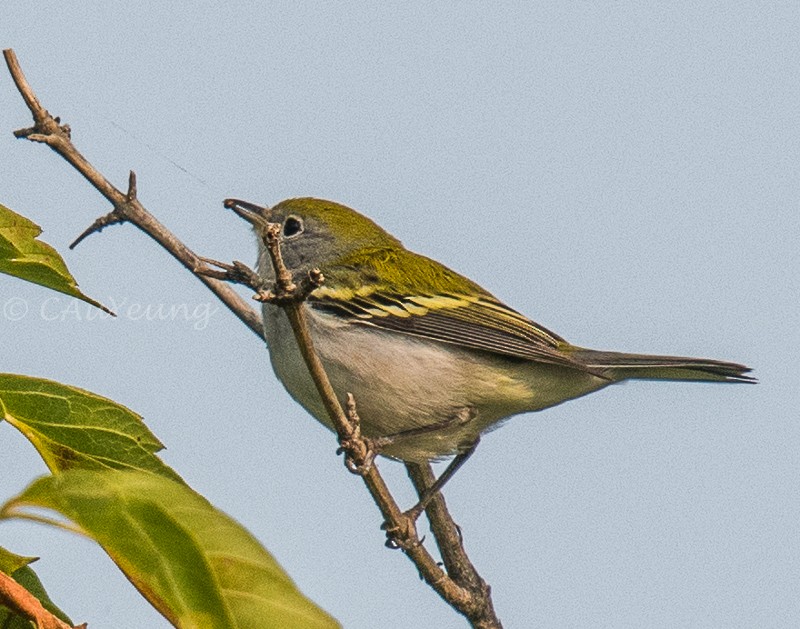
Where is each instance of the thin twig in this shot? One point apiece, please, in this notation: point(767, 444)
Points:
point(127, 207)
point(451, 547)
point(460, 591)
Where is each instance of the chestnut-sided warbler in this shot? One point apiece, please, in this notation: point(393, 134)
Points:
point(432, 359)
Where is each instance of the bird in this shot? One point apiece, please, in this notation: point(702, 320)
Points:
point(432, 359)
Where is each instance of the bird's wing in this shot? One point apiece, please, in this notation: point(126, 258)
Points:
point(477, 322)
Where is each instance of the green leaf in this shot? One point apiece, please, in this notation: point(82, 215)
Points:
point(195, 565)
point(10, 563)
point(73, 428)
point(16, 566)
point(22, 256)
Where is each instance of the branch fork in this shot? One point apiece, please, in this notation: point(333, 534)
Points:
point(115, 216)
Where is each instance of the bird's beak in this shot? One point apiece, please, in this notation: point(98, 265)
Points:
point(256, 215)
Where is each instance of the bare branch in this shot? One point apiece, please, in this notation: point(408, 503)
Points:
point(127, 207)
point(462, 588)
point(21, 602)
point(112, 217)
point(451, 546)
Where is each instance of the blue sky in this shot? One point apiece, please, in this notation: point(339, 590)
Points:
point(623, 173)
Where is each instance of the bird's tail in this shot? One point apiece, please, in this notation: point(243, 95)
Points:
point(623, 366)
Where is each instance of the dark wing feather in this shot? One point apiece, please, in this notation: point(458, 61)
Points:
point(474, 322)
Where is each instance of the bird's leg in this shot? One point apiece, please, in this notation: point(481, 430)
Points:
point(375, 445)
point(360, 451)
point(462, 417)
point(454, 465)
point(397, 537)
point(466, 415)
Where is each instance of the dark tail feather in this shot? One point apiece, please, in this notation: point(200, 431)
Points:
point(644, 367)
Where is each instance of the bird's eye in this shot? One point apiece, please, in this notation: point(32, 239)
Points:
point(292, 226)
